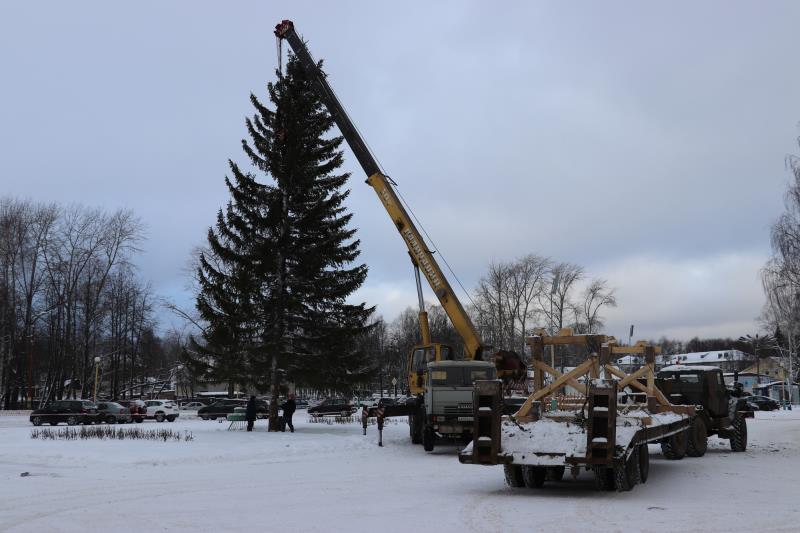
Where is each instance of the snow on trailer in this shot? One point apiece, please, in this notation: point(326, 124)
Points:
point(606, 433)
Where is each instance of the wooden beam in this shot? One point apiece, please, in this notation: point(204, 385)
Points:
point(550, 370)
point(633, 377)
point(659, 396)
point(625, 350)
point(557, 384)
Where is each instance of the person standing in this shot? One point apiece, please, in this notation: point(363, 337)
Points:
point(250, 413)
point(288, 410)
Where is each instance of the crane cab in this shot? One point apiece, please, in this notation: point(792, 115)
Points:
point(418, 360)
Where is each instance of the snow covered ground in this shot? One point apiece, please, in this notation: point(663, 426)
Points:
point(331, 478)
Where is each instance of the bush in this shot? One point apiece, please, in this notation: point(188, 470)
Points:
point(110, 432)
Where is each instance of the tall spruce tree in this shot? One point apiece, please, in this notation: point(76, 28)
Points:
point(277, 306)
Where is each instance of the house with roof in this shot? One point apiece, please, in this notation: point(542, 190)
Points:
point(728, 360)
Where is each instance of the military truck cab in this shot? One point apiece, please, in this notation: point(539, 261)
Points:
point(722, 412)
point(448, 399)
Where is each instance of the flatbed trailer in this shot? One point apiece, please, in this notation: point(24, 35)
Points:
point(605, 430)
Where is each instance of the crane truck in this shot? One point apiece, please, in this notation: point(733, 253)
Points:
point(439, 380)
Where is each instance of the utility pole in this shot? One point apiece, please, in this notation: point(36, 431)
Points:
point(96, 376)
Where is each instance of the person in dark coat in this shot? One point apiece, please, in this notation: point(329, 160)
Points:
point(289, 408)
point(250, 414)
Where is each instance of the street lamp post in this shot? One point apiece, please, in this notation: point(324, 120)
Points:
point(96, 376)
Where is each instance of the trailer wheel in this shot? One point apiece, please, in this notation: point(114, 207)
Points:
point(644, 462)
point(739, 439)
point(626, 473)
point(534, 476)
point(555, 473)
point(603, 478)
point(698, 438)
point(513, 475)
point(674, 446)
point(428, 438)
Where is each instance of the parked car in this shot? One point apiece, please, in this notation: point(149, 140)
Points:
point(332, 406)
point(70, 411)
point(192, 406)
point(112, 412)
point(381, 402)
point(161, 410)
point(301, 403)
point(136, 408)
point(762, 403)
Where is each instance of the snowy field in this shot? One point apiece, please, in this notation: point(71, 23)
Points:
point(331, 478)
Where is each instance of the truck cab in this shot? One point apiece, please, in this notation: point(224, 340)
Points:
point(448, 398)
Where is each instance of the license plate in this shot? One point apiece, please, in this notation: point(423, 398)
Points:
point(465, 419)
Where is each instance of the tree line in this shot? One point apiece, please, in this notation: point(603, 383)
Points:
point(69, 294)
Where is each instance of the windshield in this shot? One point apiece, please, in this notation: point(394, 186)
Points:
point(460, 376)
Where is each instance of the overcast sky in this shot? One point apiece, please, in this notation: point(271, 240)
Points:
point(644, 142)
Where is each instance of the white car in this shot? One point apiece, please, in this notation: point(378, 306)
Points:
point(161, 410)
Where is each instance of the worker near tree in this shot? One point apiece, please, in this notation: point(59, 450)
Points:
point(250, 414)
point(288, 410)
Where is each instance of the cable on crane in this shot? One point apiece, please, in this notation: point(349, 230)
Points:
point(380, 167)
point(444, 260)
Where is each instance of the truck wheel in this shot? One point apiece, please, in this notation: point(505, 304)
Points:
point(414, 429)
point(644, 462)
point(513, 475)
point(698, 438)
point(428, 438)
point(739, 439)
point(419, 426)
point(555, 473)
point(603, 478)
point(674, 446)
point(534, 476)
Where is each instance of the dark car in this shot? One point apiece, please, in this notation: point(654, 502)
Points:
point(762, 403)
point(222, 408)
point(69, 411)
point(112, 412)
point(301, 403)
point(332, 406)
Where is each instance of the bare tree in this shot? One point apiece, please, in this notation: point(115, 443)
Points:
point(781, 275)
point(596, 296)
point(562, 280)
point(781, 312)
point(528, 285)
point(494, 314)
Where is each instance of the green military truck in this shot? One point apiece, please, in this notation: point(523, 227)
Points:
point(719, 412)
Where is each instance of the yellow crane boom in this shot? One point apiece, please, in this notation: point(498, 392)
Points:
point(421, 255)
